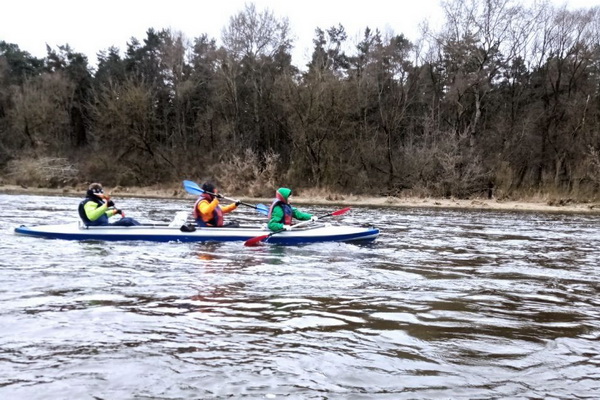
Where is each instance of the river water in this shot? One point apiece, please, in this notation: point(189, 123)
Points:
point(445, 304)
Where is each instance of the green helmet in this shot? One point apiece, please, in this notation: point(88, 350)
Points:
point(284, 193)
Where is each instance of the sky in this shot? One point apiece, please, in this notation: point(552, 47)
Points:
point(91, 26)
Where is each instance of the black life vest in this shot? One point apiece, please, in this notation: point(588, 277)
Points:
point(103, 220)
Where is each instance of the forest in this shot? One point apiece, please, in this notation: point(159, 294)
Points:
point(502, 100)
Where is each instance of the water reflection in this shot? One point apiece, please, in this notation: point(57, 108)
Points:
point(207, 251)
point(445, 304)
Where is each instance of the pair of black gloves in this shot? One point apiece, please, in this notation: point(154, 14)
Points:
point(111, 203)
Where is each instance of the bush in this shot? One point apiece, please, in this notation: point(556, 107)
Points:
point(250, 174)
point(45, 172)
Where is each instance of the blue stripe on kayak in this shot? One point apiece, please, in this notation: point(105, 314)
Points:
point(117, 237)
point(366, 235)
point(371, 234)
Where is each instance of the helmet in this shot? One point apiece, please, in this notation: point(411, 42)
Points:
point(208, 187)
point(94, 189)
point(283, 194)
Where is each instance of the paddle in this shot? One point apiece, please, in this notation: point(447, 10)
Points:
point(256, 240)
point(107, 199)
point(193, 188)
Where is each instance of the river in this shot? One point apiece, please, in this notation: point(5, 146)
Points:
point(445, 304)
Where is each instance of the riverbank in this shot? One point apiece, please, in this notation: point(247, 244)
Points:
point(533, 205)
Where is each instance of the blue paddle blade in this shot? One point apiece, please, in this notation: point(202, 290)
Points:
point(261, 208)
point(192, 187)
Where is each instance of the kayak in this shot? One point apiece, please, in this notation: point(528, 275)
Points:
point(316, 233)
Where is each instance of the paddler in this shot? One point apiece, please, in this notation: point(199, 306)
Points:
point(97, 208)
point(282, 212)
point(207, 210)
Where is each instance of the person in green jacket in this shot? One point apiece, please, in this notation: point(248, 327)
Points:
point(97, 208)
point(281, 212)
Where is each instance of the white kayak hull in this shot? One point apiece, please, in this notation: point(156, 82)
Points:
point(164, 233)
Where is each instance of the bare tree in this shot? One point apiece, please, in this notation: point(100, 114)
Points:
point(254, 43)
point(40, 113)
point(255, 34)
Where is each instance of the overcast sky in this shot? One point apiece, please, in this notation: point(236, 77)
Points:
point(91, 26)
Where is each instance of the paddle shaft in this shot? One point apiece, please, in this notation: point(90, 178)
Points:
point(308, 221)
point(193, 187)
point(258, 239)
point(235, 201)
point(230, 199)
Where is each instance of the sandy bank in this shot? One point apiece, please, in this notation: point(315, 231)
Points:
point(563, 206)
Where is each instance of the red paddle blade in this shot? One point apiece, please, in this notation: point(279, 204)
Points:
point(255, 241)
point(342, 211)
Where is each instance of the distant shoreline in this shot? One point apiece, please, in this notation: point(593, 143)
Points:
point(348, 200)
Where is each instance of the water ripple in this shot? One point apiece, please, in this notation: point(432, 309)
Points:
point(445, 304)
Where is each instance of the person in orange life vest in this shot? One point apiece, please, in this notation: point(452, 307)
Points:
point(97, 208)
point(282, 213)
point(208, 211)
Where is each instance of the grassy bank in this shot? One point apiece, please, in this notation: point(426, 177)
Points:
point(321, 198)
